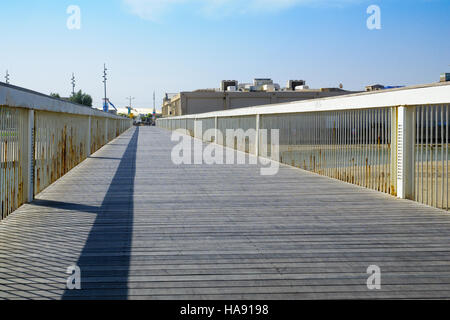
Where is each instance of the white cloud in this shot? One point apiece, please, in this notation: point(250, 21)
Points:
point(155, 9)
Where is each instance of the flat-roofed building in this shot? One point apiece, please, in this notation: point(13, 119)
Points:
point(209, 100)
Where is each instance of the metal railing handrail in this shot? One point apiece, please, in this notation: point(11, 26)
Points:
point(13, 96)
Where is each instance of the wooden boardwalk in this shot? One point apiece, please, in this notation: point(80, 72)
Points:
point(140, 227)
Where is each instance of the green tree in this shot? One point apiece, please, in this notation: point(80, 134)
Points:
point(81, 98)
point(55, 95)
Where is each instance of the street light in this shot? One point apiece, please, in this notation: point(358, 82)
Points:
point(105, 105)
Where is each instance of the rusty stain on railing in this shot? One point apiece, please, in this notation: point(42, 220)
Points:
point(13, 127)
point(98, 137)
point(349, 145)
point(60, 143)
point(61, 140)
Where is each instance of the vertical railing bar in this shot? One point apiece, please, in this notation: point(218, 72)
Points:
point(343, 144)
point(371, 156)
point(316, 136)
point(385, 158)
point(446, 149)
point(416, 150)
point(314, 143)
point(2, 117)
point(349, 147)
point(386, 150)
point(336, 145)
point(374, 149)
point(8, 157)
point(345, 127)
point(436, 167)
point(354, 154)
point(377, 126)
point(339, 150)
point(329, 124)
point(389, 147)
point(5, 157)
point(431, 155)
point(380, 148)
point(442, 155)
point(319, 143)
point(333, 143)
point(422, 125)
point(359, 144)
point(5, 165)
point(358, 147)
point(366, 148)
point(382, 153)
point(426, 154)
point(350, 143)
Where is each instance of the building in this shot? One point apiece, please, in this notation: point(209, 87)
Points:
point(374, 87)
point(232, 95)
point(445, 77)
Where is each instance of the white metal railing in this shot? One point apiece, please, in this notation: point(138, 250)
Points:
point(373, 140)
point(42, 138)
point(431, 155)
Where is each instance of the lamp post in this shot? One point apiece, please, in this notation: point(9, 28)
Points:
point(105, 103)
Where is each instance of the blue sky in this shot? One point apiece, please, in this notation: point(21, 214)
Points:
point(179, 45)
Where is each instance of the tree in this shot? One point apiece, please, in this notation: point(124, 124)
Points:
point(55, 95)
point(81, 98)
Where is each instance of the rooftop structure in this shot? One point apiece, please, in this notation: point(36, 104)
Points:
point(232, 95)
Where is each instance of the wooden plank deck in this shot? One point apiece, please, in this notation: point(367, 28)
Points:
point(141, 227)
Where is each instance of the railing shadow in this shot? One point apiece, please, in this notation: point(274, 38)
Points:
point(110, 239)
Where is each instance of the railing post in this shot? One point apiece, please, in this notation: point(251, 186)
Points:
point(195, 127)
point(30, 156)
point(257, 136)
point(88, 143)
point(106, 131)
point(393, 166)
point(405, 152)
point(216, 127)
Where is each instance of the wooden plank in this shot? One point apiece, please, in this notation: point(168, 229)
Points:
point(141, 227)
